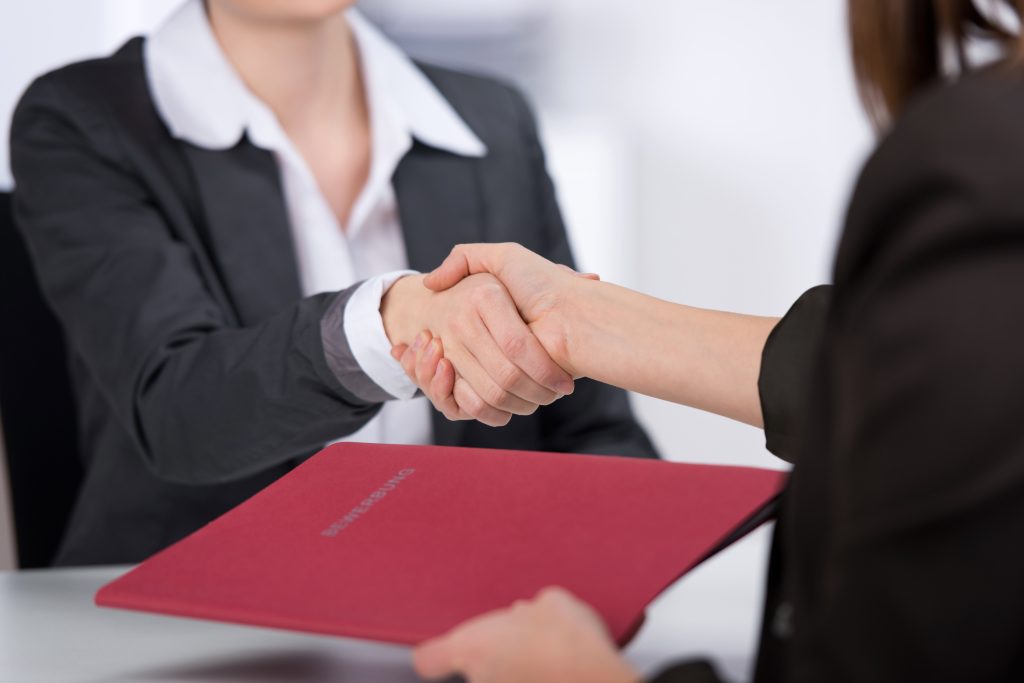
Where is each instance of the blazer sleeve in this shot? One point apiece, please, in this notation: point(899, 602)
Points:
point(205, 400)
point(925, 361)
point(689, 672)
point(787, 370)
point(596, 418)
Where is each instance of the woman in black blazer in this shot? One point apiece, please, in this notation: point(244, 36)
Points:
point(184, 201)
point(897, 393)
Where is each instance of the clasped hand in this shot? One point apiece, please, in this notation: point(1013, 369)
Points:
point(484, 335)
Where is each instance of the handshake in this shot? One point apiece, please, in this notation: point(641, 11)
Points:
point(489, 333)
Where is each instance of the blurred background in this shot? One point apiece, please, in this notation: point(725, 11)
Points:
point(703, 151)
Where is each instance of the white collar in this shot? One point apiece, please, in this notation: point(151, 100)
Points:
point(202, 100)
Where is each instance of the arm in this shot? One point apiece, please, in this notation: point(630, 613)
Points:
point(754, 369)
point(179, 374)
point(705, 359)
point(205, 399)
point(700, 358)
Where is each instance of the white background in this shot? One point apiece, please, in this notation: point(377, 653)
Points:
point(703, 151)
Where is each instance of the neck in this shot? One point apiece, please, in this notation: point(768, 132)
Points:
point(305, 71)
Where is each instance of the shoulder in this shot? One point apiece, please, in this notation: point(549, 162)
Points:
point(101, 107)
point(84, 91)
point(495, 109)
point(948, 172)
point(956, 127)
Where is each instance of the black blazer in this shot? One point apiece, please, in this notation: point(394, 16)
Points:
point(200, 370)
point(900, 396)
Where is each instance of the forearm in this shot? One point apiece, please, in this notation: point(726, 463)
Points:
point(237, 400)
point(705, 359)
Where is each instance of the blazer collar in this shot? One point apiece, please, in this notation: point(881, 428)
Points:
point(202, 99)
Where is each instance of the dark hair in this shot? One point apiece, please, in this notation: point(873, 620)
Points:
point(901, 45)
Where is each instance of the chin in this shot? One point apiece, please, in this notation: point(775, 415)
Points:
point(287, 10)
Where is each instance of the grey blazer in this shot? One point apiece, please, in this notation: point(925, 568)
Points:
point(200, 371)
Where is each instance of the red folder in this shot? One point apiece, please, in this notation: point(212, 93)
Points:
point(400, 543)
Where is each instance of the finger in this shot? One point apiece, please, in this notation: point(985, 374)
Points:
point(408, 363)
point(441, 392)
point(520, 365)
point(436, 377)
point(398, 351)
point(440, 385)
point(482, 364)
point(453, 652)
point(465, 260)
point(471, 404)
point(426, 363)
point(435, 658)
point(408, 359)
point(555, 594)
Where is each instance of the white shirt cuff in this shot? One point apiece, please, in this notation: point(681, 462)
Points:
point(364, 330)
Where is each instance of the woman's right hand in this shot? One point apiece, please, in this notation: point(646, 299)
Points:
point(542, 290)
point(502, 369)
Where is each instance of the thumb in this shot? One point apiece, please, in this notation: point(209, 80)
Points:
point(585, 276)
point(463, 261)
point(453, 269)
point(435, 658)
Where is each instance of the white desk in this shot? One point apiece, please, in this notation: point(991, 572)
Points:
point(51, 632)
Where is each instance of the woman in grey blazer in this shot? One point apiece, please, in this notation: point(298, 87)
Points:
point(215, 212)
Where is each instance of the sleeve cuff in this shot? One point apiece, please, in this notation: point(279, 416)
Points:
point(689, 672)
point(369, 344)
point(788, 365)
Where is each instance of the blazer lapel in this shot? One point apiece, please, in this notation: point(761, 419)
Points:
point(250, 239)
point(439, 206)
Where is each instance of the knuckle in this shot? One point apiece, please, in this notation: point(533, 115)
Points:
point(551, 594)
point(509, 377)
point(488, 416)
point(486, 292)
point(472, 405)
point(477, 297)
point(549, 398)
point(497, 397)
point(458, 324)
point(551, 374)
point(515, 345)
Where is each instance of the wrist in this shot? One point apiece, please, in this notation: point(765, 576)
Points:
point(576, 325)
point(402, 309)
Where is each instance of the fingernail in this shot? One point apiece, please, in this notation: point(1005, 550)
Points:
point(435, 348)
point(420, 340)
point(566, 388)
